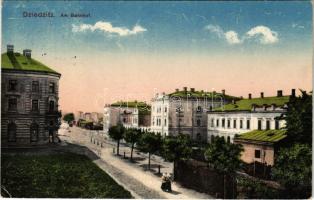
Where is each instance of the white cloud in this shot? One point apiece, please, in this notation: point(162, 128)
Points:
point(230, 36)
point(107, 27)
point(266, 36)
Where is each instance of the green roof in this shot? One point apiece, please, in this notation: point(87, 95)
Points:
point(143, 108)
point(201, 94)
point(246, 104)
point(17, 61)
point(264, 135)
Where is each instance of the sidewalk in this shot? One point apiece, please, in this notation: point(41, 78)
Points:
point(141, 183)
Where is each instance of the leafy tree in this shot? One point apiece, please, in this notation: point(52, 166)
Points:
point(224, 157)
point(293, 169)
point(132, 136)
point(299, 119)
point(69, 117)
point(177, 148)
point(149, 143)
point(117, 133)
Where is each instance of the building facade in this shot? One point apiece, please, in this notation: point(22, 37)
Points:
point(260, 145)
point(29, 100)
point(185, 112)
point(129, 114)
point(248, 114)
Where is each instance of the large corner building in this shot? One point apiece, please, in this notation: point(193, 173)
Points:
point(29, 100)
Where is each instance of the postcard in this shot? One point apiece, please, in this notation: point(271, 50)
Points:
point(156, 99)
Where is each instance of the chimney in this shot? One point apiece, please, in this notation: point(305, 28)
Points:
point(177, 90)
point(262, 94)
point(163, 93)
point(250, 96)
point(293, 92)
point(185, 89)
point(279, 93)
point(192, 89)
point(223, 92)
point(27, 53)
point(10, 48)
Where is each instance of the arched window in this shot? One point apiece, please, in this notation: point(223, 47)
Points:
point(51, 106)
point(34, 132)
point(12, 132)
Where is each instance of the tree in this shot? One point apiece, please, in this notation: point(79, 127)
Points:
point(299, 119)
point(149, 143)
point(132, 136)
point(176, 148)
point(69, 117)
point(116, 133)
point(224, 157)
point(293, 169)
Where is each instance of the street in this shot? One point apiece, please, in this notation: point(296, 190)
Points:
point(134, 176)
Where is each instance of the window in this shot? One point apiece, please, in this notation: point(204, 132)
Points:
point(199, 109)
point(198, 136)
point(267, 125)
point(276, 124)
point(34, 105)
point(12, 104)
point(12, 85)
point(228, 123)
point(223, 123)
point(165, 122)
point(241, 123)
point(257, 153)
point(34, 132)
point(212, 123)
point(198, 122)
point(12, 132)
point(228, 139)
point(248, 124)
point(259, 125)
point(51, 87)
point(217, 123)
point(35, 86)
point(51, 106)
point(234, 123)
point(165, 109)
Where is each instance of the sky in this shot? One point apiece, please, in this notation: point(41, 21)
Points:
point(132, 50)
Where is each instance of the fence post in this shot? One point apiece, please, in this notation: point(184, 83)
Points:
point(123, 154)
point(158, 169)
point(113, 150)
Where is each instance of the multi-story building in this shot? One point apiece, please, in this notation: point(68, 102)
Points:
point(248, 114)
point(185, 112)
point(129, 114)
point(29, 100)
